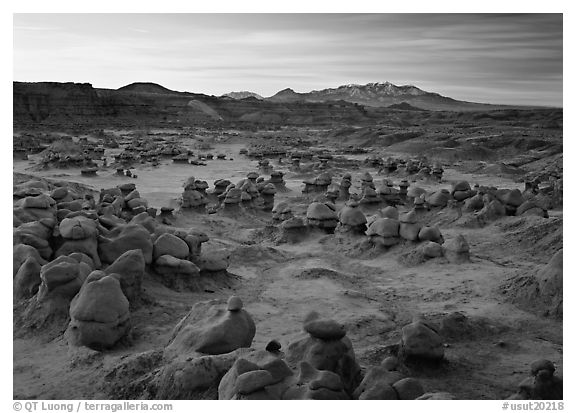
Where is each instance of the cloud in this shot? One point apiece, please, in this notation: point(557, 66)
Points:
point(35, 29)
point(138, 30)
point(505, 56)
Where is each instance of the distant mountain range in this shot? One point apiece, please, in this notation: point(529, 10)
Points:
point(375, 95)
point(59, 103)
point(380, 95)
point(372, 95)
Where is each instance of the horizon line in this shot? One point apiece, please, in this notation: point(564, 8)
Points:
point(290, 88)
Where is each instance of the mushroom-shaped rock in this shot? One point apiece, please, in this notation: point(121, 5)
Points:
point(132, 195)
point(30, 188)
point(542, 364)
point(460, 186)
point(168, 265)
point(420, 204)
point(366, 177)
point(420, 341)
point(27, 278)
point(81, 257)
point(168, 244)
point(324, 179)
point(28, 214)
point(334, 353)
point(542, 385)
point(42, 228)
point(258, 375)
point(462, 195)
point(389, 194)
point(20, 253)
point(321, 215)
point(333, 189)
point(409, 226)
point(135, 203)
point(268, 189)
point(234, 303)
point(390, 363)
point(385, 227)
point(389, 212)
point(369, 196)
point(492, 210)
point(325, 329)
point(245, 197)
point(292, 230)
point(194, 240)
point(315, 384)
point(252, 381)
point(193, 199)
point(59, 194)
point(432, 249)
point(62, 277)
point(113, 193)
point(415, 192)
point(276, 177)
point(129, 270)
point(282, 211)
point(40, 202)
point(377, 384)
point(220, 186)
point(212, 329)
point(127, 188)
point(190, 184)
point(99, 314)
point(61, 280)
point(35, 234)
point(346, 182)
point(352, 219)
point(384, 231)
point(431, 234)
point(531, 208)
point(125, 238)
point(177, 273)
point(474, 203)
point(232, 198)
point(201, 186)
point(78, 228)
point(511, 197)
point(438, 199)
point(70, 206)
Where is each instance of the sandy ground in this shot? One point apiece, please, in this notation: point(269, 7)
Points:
point(373, 294)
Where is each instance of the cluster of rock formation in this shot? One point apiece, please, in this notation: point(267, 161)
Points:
point(65, 153)
point(318, 364)
point(80, 260)
point(486, 203)
point(79, 265)
point(385, 228)
point(542, 384)
point(253, 192)
point(319, 184)
point(417, 168)
point(211, 348)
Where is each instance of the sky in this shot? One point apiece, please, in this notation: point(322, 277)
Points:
point(491, 58)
